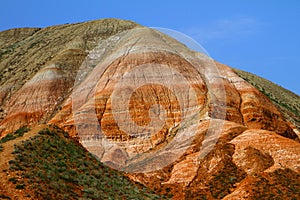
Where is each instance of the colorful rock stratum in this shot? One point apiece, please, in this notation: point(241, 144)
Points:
point(170, 118)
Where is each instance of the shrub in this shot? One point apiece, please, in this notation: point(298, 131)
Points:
point(20, 186)
point(11, 136)
point(54, 165)
point(20, 132)
point(3, 196)
point(13, 180)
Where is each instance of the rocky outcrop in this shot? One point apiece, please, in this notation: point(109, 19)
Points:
point(171, 118)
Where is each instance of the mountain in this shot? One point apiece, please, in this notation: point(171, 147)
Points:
point(169, 119)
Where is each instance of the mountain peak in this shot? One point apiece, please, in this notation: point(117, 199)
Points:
point(173, 119)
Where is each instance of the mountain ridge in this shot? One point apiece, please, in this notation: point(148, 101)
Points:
point(286, 100)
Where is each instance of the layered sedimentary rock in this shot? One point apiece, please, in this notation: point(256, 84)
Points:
point(38, 68)
point(42, 95)
point(171, 118)
point(164, 158)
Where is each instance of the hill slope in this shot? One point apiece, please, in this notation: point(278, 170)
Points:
point(213, 135)
point(48, 164)
point(287, 101)
point(28, 52)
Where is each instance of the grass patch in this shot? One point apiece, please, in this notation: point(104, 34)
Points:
point(55, 166)
point(11, 136)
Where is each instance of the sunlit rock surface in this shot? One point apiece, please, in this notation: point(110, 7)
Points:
point(171, 118)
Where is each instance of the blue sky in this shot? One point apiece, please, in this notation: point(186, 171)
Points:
point(262, 37)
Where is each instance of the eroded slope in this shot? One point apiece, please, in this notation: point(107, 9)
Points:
point(222, 138)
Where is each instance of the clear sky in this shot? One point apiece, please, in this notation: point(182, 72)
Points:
point(258, 36)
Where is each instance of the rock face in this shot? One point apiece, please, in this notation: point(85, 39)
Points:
point(38, 68)
point(171, 118)
point(38, 99)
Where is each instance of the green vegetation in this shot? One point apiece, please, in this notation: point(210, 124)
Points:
point(287, 101)
point(4, 51)
point(276, 185)
point(226, 178)
point(8, 50)
point(3, 196)
point(11, 136)
point(54, 166)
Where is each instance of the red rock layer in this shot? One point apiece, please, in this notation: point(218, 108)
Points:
point(42, 95)
point(240, 152)
point(126, 111)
